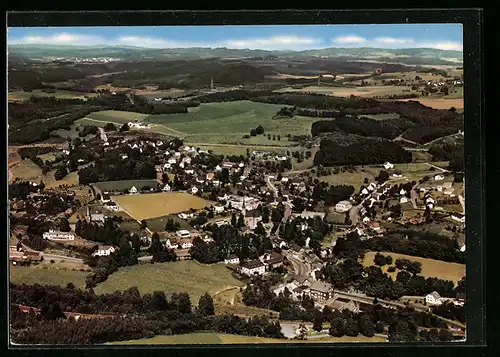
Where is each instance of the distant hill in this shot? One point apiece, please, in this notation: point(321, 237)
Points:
point(407, 56)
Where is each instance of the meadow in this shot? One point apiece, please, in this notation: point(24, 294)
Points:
point(158, 224)
point(61, 94)
point(174, 277)
point(366, 91)
point(45, 274)
point(154, 205)
point(225, 339)
point(430, 267)
point(439, 103)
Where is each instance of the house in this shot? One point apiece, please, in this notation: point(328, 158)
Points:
point(218, 168)
point(403, 199)
point(171, 244)
point(133, 190)
point(397, 174)
point(284, 179)
point(321, 291)
point(227, 165)
point(303, 280)
point(166, 188)
point(189, 171)
point(402, 192)
point(210, 176)
point(97, 217)
point(300, 291)
point(460, 299)
point(185, 243)
point(105, 197)
point(219, 209)
point(364, 191)
point(194, 190)
point(253, 267)
point(438, 178)
point(433, 298)
point(295, 247)
point(112, 206)
point(449, 191)
point(375, 226)
point(272, 260)
point(223, 198)
point(57, 235)
point(171, 161)
point(183, 233)
point(104, 250)
point(366, 219)
point(388, 166)
point(222, 222)
point(462, 249)
point(166, 166)
point(458, 217)
point(232, 259)
point(252, 218)
point(343, 206)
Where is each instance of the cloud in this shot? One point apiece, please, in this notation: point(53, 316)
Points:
point(274, 42)
point(350, 39)
point(394, 42)
point(60, 39)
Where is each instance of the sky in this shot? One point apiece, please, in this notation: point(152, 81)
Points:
point(265, 37)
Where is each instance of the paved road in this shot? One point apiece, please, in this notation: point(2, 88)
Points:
point(271, 186)
point(301, 268)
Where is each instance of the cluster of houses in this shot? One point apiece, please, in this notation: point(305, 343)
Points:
point(259, 266)
point(435, 299)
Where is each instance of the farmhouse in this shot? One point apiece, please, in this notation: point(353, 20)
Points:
point(403, 199)
point(194, 190)
point(105, 197)
point(433, 298)
point(57, 235)
point(97, 217)
point(388, 166)
point(232, 259)
point(227, 165)
point(303, 280)
point(397, 174)
point(166, 188)
point(133, 190)
point(321, 291)
point(253, 267)
point(104, 250)
point(111, 206)
point(364, 191)
point(183, 233)
point(184, 243)
point(343, 206)
point(458, 217)
point(272, 260)
point(438, 178)
point(219, 209)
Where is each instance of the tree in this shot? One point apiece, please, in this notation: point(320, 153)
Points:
point(265, 214)
point(64, 225)
point(233, 220)
point(60, 173)
point(170, 226)
point(143, 224)
point(52, 311)
point(241, 221)
point(109, 127)
point(259, 130)
point(382, 177)
point(124, 127)
point(302, 333)
point(253, 132)
point(379, 327)
point(337, 327)
point(318, 322)
point(206, 305)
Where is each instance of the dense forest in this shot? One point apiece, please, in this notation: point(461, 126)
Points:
point(366, 151)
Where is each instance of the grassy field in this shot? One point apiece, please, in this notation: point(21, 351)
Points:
point(366, 91)
point(62, 94)
point(440, 103)
point(228, 122)
point(354, 179)
point(154, 205)
point(38, 275)
point(158, 224)
point(116, 116)
point(225, 339)
point(183, 276)
point(430, 267)
point(110, 186)
point(27, 170)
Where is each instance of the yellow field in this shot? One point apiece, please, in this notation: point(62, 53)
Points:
point(430, 267)
point(26, 170)
point(154, 205)
point(227, 339)
point(174, 277)
point(440, 103)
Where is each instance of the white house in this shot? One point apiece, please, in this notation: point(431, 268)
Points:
point(458, 217)
point(388, 166)
point(232, 259)
point(223, 198)
point(112, 206)
point(183, 233)
point(253, 267)
point(166, 166)
point(403, 199)
point(462, 249)
point(133, 190)
point(58, 235)
point(189, 171)
point(284, 179)
point(171, 244)
point(364, 191)
point(343, 206)
point(194, 190)
point(104, 250)
point(366, 220)
point(397, 175)
point(166, 188)
point(438, 177)
point(433, 298)
point(241, 165)
point(219, 209)
point(218, 168)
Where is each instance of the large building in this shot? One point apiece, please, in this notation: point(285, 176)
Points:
point(321, 291)
point(253, 267)
point(57, 235)
point(104, 250)
point(343, 206)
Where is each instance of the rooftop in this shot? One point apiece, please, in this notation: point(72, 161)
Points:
point(252, 264)
point(321, 286)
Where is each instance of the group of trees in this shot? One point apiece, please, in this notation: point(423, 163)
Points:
point(257, 131)
point(146, 316)
point(369, 151)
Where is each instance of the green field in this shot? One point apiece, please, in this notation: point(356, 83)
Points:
point(183, 276)
point(158, 224)
point(116, 116)
point(228, 122)
point(109, 186)
point(354, 179)
point(223, 338)
point(62, 94)
point(366, 91)
point(38, 275)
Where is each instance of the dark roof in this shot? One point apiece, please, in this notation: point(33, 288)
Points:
point(321, 286)
point(252, 264)
point(232, 256)
point(253, 213)
point(461, 296)
point(300, 289)
point(301, 278)
point(274, 258)
point(295, 247)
